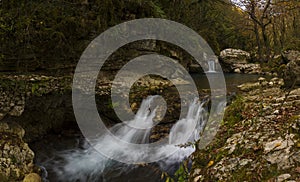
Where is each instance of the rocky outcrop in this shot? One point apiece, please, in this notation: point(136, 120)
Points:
point(41, 104)
point(16, 158)
point(292, 70)
point(259, 139)
point(38, 103)
point(237, 61)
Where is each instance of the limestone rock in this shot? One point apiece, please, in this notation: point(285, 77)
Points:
point(17, 111)
point(237, 61)
point(249, 68)
point(16, 158)
point(234, 56)
point(248, 86)
point(277, 145)
point(283, 177)
point(12, 128)
point(265, 138)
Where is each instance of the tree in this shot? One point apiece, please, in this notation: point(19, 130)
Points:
point(274, 24)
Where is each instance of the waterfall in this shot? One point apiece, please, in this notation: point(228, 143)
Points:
point(211, 66)
point(88, 164)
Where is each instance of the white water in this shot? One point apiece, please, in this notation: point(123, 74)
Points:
point(88, 164)
point(211, 66)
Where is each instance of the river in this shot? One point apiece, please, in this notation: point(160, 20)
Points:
point(67, 157)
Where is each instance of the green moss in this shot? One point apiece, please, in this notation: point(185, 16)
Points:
point(233, 113)
point(243, 174)
point(220, 155)
point(215, 152)
point(270, 172)
point(37, 87)
point(181, 175)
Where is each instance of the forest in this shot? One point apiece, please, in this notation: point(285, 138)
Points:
point(39, 34)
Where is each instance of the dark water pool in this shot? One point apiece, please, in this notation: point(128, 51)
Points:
point(232, 80)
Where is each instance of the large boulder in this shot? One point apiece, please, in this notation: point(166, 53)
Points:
point(237, 61)
point(292, 71)
point(234, 56)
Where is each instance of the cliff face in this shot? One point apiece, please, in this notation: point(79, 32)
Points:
point(37, 103)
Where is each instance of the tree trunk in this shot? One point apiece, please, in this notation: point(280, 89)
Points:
point(266, 43)
point(277, 46)
point(259, 50)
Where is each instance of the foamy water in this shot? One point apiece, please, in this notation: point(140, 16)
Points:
point(88, 164)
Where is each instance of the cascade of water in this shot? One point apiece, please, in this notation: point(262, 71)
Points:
point(211, 66)
point(88, 164)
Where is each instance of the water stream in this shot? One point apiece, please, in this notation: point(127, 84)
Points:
point(211, 66)
point(68, 157)
point(85, 163)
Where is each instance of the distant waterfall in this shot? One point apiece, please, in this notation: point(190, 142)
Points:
point(211, 66)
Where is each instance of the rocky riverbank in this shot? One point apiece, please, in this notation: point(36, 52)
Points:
point(259, 139)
